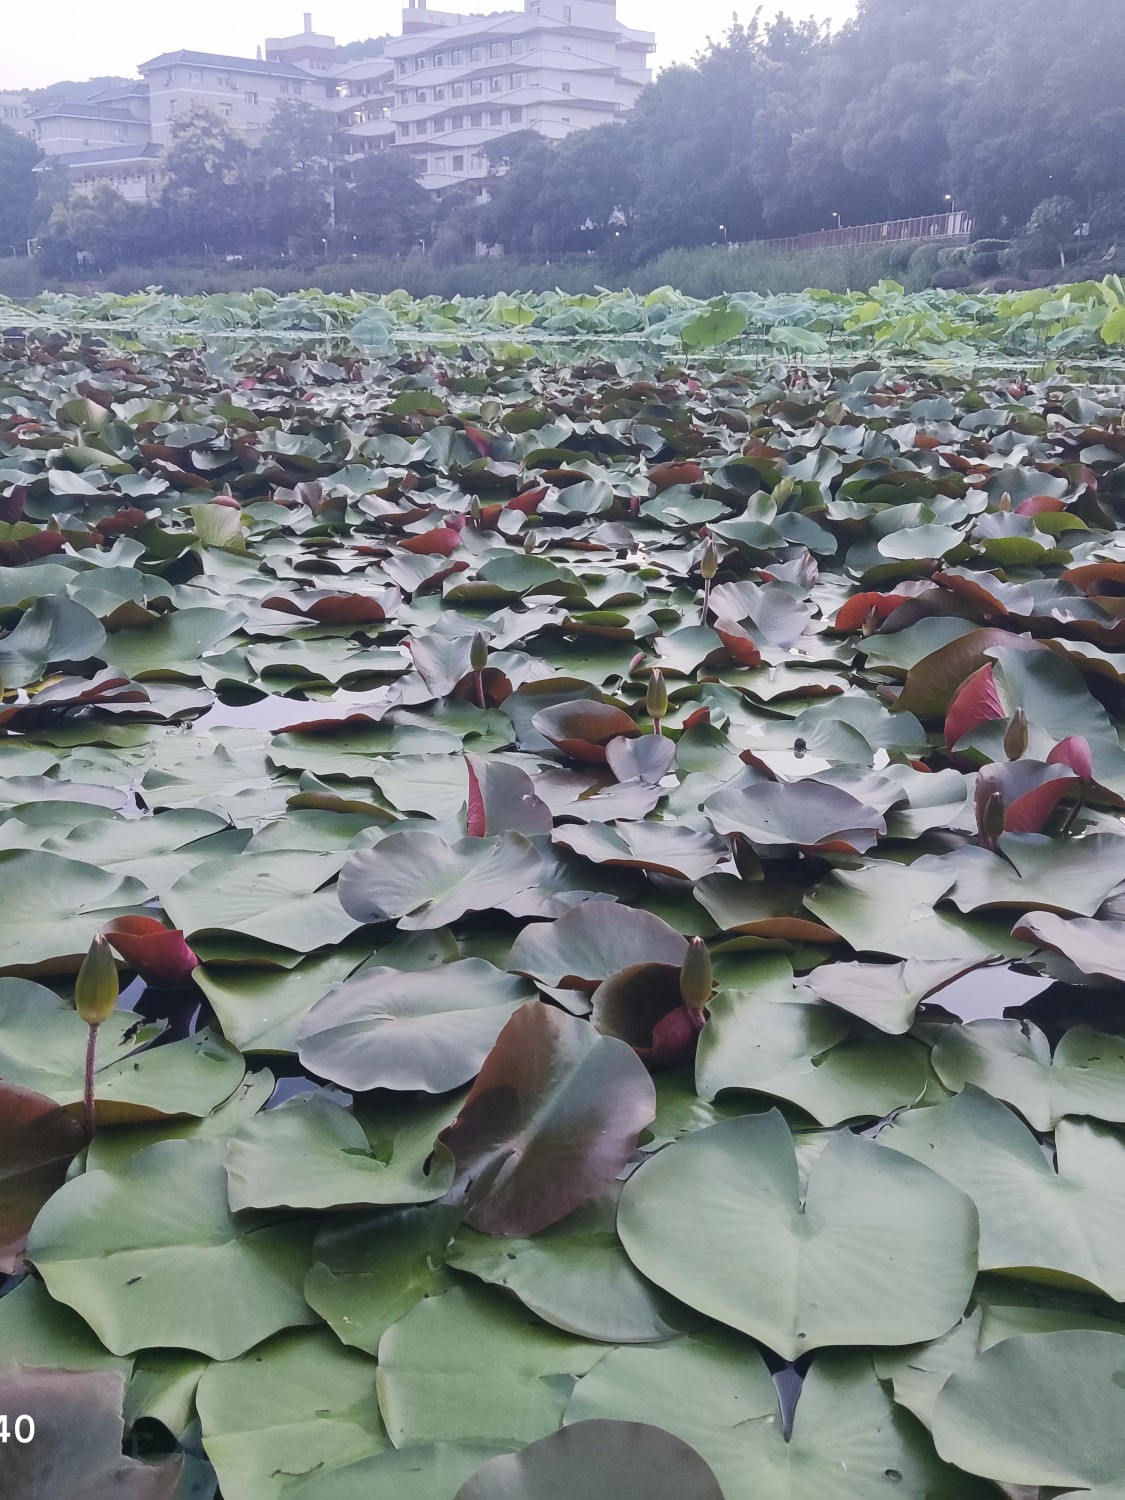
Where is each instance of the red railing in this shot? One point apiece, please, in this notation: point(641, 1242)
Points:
point(948, 226)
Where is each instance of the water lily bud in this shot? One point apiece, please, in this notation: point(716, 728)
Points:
point(990, 819)
point(478, 653)
point(1005, 502)
point(871, 622)
point(1015, 736)
point(695, 975)
point(709, 562)
point(781, 492)
point(1075, 753)
point(475, 510)
point(529, 542)
point(656, 699)
point(96, 988)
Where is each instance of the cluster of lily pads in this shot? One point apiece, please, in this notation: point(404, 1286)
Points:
point(568, 836)
point(1084, 320)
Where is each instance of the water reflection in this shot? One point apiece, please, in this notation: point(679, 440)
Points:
point(275, 713)
point(986, 993)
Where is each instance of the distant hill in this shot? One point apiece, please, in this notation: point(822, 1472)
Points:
point(356, 51)
point(75, 92)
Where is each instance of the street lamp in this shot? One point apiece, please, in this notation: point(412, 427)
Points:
point(836, 216)
point(723, 232)
point(423, 245)
point(952, 203)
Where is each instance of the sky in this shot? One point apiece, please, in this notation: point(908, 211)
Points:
point(51, 40)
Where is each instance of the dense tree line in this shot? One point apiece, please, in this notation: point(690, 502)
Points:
point(1013, 111)
point(782, 127)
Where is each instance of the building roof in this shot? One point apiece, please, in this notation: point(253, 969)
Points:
point(104, 156)
point(234, 64)
point(81, 111)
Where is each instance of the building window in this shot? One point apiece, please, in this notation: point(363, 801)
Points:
point(496, 49)
point(566, 119)
point(516, 81)
point(457, 122)
point(284, 89)
point(251, 97)
point(496, 117)
point(420, 128)
point(476, 161)
point(169, 80)
point(458, 163)
point(517, 47)
point(403, 132)
point(419, 96)
point(419, 64)
point(566, 88)
point(475, 54)
point(455, 59)
point(194, 77)
point(439, 59)
point(458, 91)
point(226, 109)
point(439, 163)
point(477, 120)
point(515, 116)
point(495, 83)
point(298, 88)
point(476, 87)
point(439, 92)
point(403, 66)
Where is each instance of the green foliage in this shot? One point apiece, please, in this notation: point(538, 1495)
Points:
point(18, 190)
point(616, 1067)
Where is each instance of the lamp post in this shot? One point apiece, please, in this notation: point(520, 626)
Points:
point(949, 198)
point(423, 245)
point(723, 232)
point(839, 222)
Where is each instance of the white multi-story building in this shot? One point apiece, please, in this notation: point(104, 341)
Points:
point(463, 81)
point(15, 112)
point(442, 91)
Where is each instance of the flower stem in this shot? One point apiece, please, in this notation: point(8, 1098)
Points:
point(480, 690)
point(88, 1094)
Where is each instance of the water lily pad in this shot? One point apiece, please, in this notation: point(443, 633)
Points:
point(554, 1115)
point(576, 1276)
point(297, 1405)
point(1046, 1226)
point(51, 908)
point(420, 881)
point(868, 1257)
point(78, 1434)
point(429, 1030)
point(1012, 1060)
point(597, 1460)
point(150, 1255)
point(313, 1153)
point(1042, 1409)
point(474, 1366)
point(38, 1141)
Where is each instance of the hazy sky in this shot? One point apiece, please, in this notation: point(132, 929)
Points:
point(48, 40)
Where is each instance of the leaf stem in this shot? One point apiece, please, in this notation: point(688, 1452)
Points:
point(88, 1091)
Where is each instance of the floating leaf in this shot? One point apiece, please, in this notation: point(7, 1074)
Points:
point(429, 1030)
point(868, 1256)
point(554, 1115)
point(150, 1255)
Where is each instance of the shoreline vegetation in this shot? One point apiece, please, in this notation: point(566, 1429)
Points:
point(706, 271)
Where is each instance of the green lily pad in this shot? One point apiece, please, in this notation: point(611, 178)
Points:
point(717, 1220)
point(151, 1255)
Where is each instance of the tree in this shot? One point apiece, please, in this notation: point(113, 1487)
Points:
point(206, 184)
point(384, 207)
point(293, 167)
point(18, 189)
point(100, 230)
